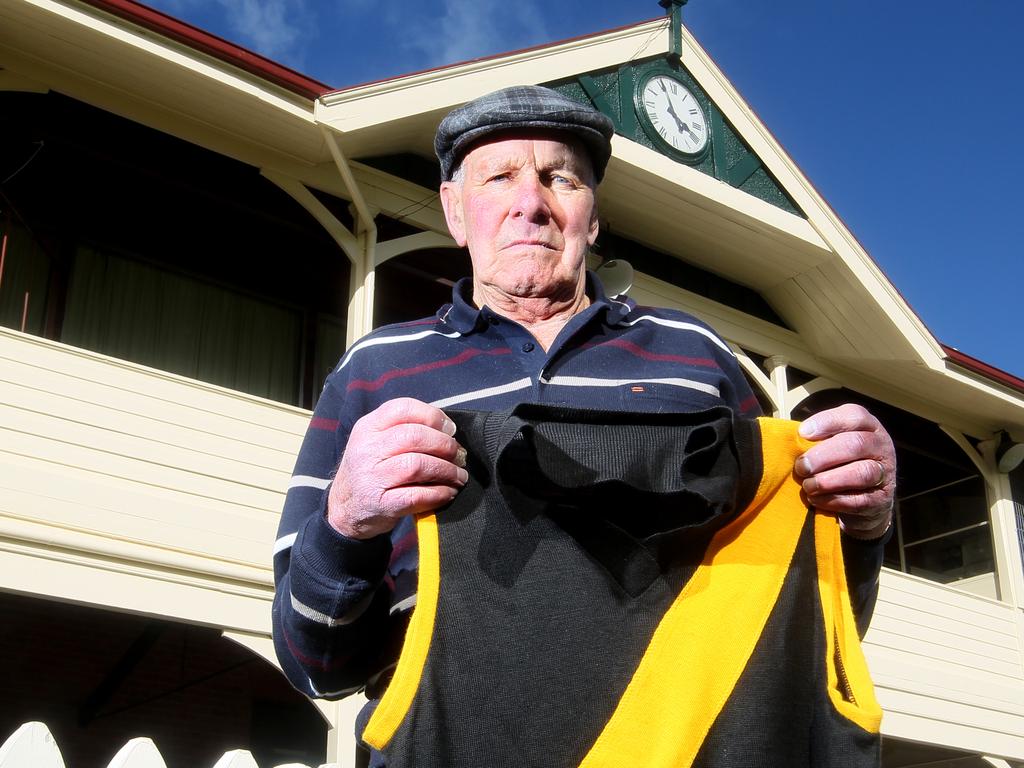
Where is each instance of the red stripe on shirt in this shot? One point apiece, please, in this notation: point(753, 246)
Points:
point(640, 352)
point(403, 545)
point(373, 386)
point(749, 404)
point(327, 424)
point(310, 661)
point(414, 323)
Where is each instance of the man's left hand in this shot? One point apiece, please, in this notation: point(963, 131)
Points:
point(852, 471)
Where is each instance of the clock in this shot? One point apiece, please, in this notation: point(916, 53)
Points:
point(672, 116)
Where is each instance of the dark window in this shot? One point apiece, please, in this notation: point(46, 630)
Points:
point(416, 284)
point(131, 242)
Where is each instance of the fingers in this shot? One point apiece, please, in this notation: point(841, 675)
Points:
point(844, 418)
point(415, 500)
point(400, 459)
point(852, 471)
point(415, 438)
point(407, 469)
point(406, 410)
point(861, 493)
point(848, 461)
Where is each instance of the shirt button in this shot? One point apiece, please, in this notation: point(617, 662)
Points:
point(528, 346)
point(493, 320)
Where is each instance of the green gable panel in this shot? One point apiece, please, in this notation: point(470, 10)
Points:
point(727, 158)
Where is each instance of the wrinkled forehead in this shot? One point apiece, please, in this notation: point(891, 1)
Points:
point(550, 147)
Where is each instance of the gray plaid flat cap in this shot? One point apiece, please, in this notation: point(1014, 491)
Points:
point(522, 106)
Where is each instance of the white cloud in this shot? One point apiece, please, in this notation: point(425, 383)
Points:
point(468, 29)
point(277, 29)
point(272, 27)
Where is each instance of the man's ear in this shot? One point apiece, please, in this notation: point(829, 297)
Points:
point(595, 226)
point(451, 201)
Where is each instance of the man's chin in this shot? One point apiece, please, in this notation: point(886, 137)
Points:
point(553, 290)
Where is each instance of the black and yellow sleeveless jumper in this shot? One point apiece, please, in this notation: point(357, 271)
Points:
point(618, 590)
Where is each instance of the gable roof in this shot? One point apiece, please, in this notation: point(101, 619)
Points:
point(142, 64)
point(810, 268)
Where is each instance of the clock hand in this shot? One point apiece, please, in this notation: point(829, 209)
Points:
point(671, 111)
point(682, 126)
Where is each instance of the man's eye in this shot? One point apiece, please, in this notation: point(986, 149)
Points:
point(557, 178)
point(499, 177)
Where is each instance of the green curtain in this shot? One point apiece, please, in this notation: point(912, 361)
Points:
point(26, 270)
point(330, 346)
point(140, 312)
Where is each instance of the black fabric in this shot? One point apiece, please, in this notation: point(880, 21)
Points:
point(559, 558)
point(555, 573)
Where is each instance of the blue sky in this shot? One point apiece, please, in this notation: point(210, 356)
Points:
point(905, 115)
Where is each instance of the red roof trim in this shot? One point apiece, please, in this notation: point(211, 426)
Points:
point(502, 55)
point(977, 366)
point(200, 40)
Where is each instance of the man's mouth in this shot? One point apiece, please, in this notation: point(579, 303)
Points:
point(530, 244)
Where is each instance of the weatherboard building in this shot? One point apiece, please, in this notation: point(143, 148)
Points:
point(192, 234)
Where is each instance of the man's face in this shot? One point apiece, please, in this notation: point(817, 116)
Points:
point(526, 210)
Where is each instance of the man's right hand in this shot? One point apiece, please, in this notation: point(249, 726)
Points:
point(401, 459)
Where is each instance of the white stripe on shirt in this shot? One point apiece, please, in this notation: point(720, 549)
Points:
point(405, 604)
point(680, 326)
point(308, 481)
point(392, 340)
point(478, 394)
point(331, 694)
point(587, 381)
point(284, 542)
point(322, 618)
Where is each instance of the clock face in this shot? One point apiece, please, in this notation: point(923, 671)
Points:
point(675, 115)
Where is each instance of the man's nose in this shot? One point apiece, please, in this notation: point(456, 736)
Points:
point(531, 199)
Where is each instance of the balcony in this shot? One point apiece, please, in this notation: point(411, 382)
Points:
point(144, 491)
point(138, 489)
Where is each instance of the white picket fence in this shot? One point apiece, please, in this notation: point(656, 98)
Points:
point(33, 746)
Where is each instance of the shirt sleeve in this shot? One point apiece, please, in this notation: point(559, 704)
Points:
point(331, 600)
point(737, 393)
point(863, 564)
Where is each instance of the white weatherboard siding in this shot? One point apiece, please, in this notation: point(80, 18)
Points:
point(129, 487)
point(948, 666)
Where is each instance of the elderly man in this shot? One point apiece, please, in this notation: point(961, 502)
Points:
point(520, 168)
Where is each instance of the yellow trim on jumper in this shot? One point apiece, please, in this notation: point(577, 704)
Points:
point(706, 638)
point(400, 693)
point(840, 626)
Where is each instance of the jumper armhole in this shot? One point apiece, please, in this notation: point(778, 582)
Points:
point(398, 698)
point(849, 683)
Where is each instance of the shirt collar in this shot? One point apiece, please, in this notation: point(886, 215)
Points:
point(463, 316)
